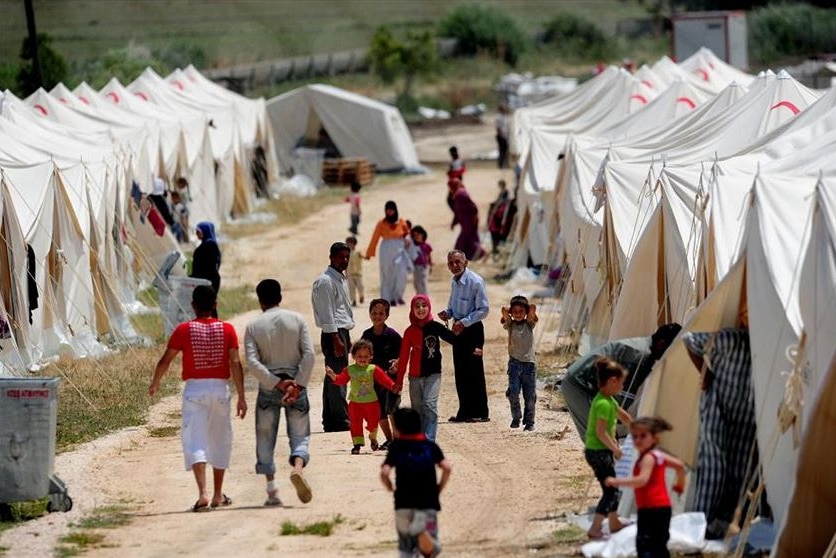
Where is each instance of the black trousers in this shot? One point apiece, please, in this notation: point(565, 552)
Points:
point(334, 404)
point(502, 146)
point(653, 532)
point(603, 465)
point(470, 373)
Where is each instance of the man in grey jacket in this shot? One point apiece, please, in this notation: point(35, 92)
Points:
point(280, 354)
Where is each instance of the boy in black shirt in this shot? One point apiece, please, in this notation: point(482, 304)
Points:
point(414, 459)
point(387, 346)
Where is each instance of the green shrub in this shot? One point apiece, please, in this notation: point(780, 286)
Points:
point(180, 54)
point(782, 30)
point(484, 29)
point(577, 37)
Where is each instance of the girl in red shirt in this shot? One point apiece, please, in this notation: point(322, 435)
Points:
point(648, 483)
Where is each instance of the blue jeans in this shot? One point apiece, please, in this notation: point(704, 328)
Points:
point(521, 376)
point(423, 393)
point(268, 407)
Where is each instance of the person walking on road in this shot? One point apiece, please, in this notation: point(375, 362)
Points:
point(280, 355)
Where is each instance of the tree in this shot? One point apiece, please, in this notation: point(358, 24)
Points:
point(53, 66)
point(484, 29)
point(414, 57)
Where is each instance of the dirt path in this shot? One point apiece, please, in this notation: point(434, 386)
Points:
point(505, 484)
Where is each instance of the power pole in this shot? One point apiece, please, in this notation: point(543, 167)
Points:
point(33, 41)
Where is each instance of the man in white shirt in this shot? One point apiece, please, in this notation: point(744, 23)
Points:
point(333, 315)
point(280, 355)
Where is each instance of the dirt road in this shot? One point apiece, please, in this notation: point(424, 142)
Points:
point(506, 484)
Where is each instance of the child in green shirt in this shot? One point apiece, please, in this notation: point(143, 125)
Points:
point(362, 399)
point(601, 449)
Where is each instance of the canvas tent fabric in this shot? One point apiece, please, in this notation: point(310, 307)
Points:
point(358, 126)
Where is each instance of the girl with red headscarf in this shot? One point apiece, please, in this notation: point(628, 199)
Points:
point(421, 350)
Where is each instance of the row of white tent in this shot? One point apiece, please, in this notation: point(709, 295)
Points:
point(684, 193)
point(73, 241)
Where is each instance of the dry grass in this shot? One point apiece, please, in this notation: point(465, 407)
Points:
point(99, 396)
point(288, 210)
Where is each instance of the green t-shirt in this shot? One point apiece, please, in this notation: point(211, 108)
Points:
point(361, 389)
point(603, 407)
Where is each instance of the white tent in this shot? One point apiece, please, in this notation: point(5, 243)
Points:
point(358, 126)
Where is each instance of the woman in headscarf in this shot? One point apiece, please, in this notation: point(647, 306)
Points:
point(394, 260)
point(466, 215)
point(206, 261)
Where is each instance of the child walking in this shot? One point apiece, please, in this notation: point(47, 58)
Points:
point(386, 345)
point(422, 259)
point(354, 272)
point(421, 351)
point(519, 320)
point(648, 483)
point(353, 200)
point(417, 504)
point(362, 400)
point(601, 449)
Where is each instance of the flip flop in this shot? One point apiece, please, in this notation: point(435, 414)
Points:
point(303, 489)
point(226, 501)
point(198, 507)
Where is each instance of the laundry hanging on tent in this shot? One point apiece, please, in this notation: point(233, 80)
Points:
point(156, 221)
point(31, 284)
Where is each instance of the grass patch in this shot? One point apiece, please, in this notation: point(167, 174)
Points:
point(236, 300)
point(288, 210)
point(76, 543)
point(105, 517)
point(163, 431)
point(99, 396)
point(320, 528)
point(569, 534)
point(16, 512)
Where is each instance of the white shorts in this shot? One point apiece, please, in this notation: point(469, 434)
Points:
point(207, 425)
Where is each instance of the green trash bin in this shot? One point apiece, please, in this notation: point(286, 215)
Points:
point(28, 423)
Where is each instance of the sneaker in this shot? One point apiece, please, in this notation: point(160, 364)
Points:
point(384, 446)
point(528, 428)
point(515, 423)
point(355, 450)
point(374, 445)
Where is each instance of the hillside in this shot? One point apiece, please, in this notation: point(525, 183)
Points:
point(230, 31)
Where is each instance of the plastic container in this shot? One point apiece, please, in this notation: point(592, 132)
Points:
point(176, 302)
point(28, 423)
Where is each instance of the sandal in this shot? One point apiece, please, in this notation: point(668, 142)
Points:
point(272, 501)
point(198, 507)
point(225, 501)
point(303, 489)
point(426, 545)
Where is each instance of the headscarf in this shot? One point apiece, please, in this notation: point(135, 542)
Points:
point(392, 219)
point(413, 319)
point(207, 230)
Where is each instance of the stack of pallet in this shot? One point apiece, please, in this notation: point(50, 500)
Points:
point(347, 170)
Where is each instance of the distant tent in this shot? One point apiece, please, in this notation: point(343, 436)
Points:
point(357, 126)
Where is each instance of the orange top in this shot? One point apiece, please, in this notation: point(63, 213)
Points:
point(386, 231)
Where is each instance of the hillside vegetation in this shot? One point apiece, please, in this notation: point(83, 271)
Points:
point(230, 31)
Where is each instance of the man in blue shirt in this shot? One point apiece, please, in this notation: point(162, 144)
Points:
point(467, 307)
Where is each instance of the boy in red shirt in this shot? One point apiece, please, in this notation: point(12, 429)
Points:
point(210, 358)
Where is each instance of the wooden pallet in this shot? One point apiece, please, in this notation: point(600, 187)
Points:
point(347, 170)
